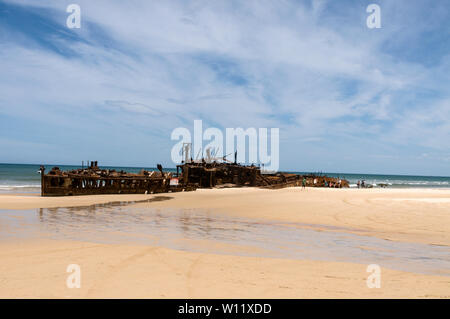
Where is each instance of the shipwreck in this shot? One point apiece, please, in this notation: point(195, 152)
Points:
point(189, 176)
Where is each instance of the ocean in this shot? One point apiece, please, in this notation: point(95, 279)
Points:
point(24, 178)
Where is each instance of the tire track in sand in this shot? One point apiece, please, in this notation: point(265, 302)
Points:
point(189, 275)
point(115, 269)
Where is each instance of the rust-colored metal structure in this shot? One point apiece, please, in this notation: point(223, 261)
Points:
point(189, 176)
point(93, 181)
point(215, 174)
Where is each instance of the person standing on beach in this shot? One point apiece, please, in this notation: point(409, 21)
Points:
point(358, 184)
point(304, 183)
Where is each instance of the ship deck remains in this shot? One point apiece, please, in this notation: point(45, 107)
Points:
point(94, 180)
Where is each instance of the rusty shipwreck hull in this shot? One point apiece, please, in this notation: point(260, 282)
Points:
point(216, 174)
point(96, 181)
point(189, 176)
point(207, 175)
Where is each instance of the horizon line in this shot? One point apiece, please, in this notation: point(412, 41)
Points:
point(286, 171)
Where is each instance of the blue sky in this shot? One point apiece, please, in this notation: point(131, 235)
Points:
point(345, 97)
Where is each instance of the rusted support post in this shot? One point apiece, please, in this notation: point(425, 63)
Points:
point(42, 170)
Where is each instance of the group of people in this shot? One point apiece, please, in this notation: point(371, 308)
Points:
point(337, 184)
point(332, 184)
point(361, 184)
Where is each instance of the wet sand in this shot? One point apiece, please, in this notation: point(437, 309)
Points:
point(220, 266)
point(414, 215)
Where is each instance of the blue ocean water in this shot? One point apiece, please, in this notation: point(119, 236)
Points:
point(394, 181)
point(25, 178)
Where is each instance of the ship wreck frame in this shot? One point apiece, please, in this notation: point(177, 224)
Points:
point(189, 176)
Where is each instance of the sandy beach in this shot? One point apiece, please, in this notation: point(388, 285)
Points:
point(36, 266)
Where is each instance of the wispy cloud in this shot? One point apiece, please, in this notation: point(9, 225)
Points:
point(138, 69)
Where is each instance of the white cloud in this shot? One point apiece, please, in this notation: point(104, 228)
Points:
point(168, 63)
